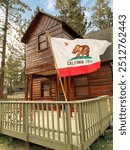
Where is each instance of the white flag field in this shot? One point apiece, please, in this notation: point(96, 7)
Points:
point(78, 56)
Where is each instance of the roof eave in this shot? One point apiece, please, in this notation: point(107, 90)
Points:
point(40, 14)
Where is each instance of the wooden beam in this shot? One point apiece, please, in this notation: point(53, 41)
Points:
point(69, 93)
point(26, 87)
point(69, 88)
point(58, 89)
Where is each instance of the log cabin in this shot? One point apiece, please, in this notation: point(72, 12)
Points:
point(42, 82)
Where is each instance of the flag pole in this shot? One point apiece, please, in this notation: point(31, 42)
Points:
point(49, 40)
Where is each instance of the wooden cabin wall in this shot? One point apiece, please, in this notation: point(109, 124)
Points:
point(70, 88)
point(53, 88)
point(37, 61)
point(37, 89)
point(81, 87)
point(94, 84)
point(88, 86)
point(101, 82)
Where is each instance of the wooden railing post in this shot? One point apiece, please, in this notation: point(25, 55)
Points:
point(111, 104)
point(69, 132)
point(25, 120)
point(81, 124)
point(68, 125)
point(100, 115)
point(101, 110)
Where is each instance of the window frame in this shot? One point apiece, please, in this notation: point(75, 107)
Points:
point(40, 41)
point(43, 84)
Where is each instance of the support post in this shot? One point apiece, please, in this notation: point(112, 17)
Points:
point(31, 87)
point(63, 89)
point(69, 94)
point(58, 95)
point(69, 88)
point(66, 86)
point(26, 88)
point(58, 90)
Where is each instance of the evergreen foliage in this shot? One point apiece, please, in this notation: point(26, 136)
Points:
point(10, 24)
point(102, 15)
point(73, 13)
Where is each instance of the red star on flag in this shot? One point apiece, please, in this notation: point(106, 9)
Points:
point(66, 44)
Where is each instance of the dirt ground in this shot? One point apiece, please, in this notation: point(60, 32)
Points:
point(104, 142)
point(7, 144)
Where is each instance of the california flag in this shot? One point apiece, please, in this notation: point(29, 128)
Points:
point(79, 56)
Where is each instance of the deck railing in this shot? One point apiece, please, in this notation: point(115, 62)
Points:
point(72, 125)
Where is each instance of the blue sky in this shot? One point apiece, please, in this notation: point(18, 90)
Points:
point(49, 6)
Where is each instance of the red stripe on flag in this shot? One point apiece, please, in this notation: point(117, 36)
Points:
point(71, 71)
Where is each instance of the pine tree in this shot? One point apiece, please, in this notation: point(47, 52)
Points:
point(12, 70)
point(73, 13)
point(102, 14)
point(11, 17)
point(35, 12)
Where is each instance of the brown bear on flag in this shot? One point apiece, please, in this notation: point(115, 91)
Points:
point(81, 50)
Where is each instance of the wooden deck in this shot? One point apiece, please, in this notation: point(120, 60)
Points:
point(57, 125)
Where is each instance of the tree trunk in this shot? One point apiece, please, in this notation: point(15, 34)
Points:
point(2, 76)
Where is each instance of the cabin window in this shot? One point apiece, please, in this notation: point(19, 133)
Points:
point(81, 86)
point(45, 88)
point(42, 42)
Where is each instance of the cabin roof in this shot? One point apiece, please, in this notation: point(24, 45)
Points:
point(38, 16)
point(105, 34)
